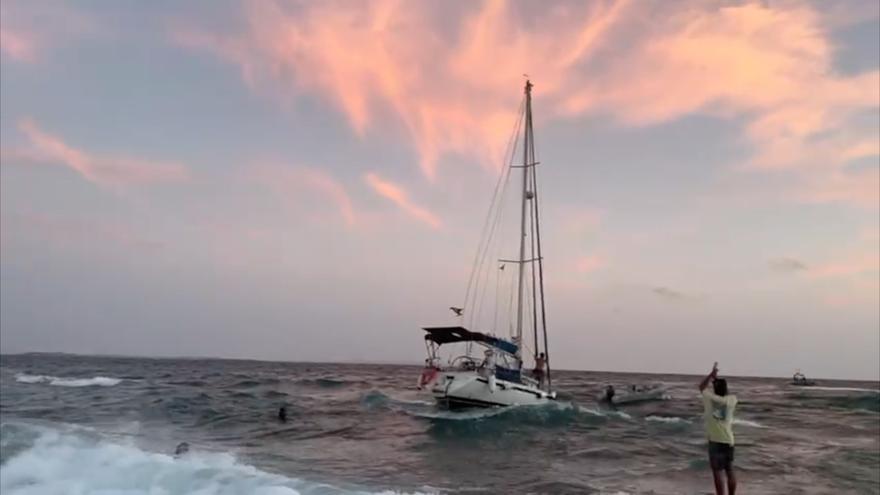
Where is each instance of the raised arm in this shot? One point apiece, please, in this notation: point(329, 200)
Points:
point(709, 377)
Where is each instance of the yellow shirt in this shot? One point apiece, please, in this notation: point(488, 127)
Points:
point(718, 416)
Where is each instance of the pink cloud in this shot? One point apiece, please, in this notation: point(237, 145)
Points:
point(860, 188)
point(589, 264)
point(857, 264)
point(382, 59)
point(851, 278)
point(18, 46)
point(397, 195)
point(111, 172)
point(449, 76)
point(870, 234)
point(577, 221)
point(290, 182)
point(28, 29)
point(334, 190)
point(859, 292)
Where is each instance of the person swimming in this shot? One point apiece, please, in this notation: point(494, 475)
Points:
point(181, 449)
point(282, 414)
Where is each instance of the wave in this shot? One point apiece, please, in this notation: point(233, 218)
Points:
point(247, 384)
point(240, 395)
point(48, 458)
point(863, 402)
point(852, 398)
point(844, 389)
point(746, 422)
point(464, 415)
point(374, 399)
point(549, 413)
point(189, 383)
point(101, 381)
point(498, 420)
point(865, 411)
point(604, 412)
point(328, 382)
point(667, 419)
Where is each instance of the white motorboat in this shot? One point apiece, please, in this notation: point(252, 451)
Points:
point(800, 380)
point(483, 369)
point(634, 394)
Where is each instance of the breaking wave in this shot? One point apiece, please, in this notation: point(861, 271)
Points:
point(746, 422)
point(604, 412)
point(667, 419)
point(557, 412)
point(101, 381)
point(44, 459)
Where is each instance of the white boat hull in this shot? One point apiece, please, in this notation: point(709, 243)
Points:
point(633, 397)
point(456, 389)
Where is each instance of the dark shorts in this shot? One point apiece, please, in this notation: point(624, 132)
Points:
point(720, 456)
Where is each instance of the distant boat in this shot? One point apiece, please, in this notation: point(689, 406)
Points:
point(488, 370)
point(799, 380)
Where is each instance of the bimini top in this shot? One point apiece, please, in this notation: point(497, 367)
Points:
point(449, 335)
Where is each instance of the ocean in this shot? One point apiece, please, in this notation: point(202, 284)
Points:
point(110, 425)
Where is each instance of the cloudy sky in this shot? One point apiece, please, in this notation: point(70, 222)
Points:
point(308, 180)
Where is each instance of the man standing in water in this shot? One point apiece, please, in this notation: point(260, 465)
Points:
point(718, 409)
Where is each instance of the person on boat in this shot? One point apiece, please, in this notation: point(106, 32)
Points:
point(718, 408)
point(429, 373)
point(282, 414)
point(609, 394)
point(487, 367)
point(540, 365)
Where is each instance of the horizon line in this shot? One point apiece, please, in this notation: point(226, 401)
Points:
point(389, 363)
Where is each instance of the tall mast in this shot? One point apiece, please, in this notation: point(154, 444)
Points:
point(530, 196)
point(536, 221)
point(522, 236)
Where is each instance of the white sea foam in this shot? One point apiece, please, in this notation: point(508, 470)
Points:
point(844, 389)
point(59, 462)
point(604, 412)
point(746, 422)
point(101, 381)
point(467, 415)
point(666, 419)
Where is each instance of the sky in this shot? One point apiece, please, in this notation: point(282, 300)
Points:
point(307, 181)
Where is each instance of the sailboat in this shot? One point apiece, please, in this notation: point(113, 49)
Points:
point(487, 369)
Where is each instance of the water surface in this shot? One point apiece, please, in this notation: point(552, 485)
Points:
point(76, 424)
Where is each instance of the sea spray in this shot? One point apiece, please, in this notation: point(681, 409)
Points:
point(60, 461)
point(667, 419)
point(101, 381)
